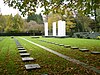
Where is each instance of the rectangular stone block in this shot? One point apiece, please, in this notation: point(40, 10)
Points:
point(61, 44)
point(95, 52)
point(83, 50)
point(21, 48)
point(67, 46)
point(54, 28)
point(32, 66)
point(74, 48)
point(28, 59)
point(22, 51)
point(24, 54)
point(46, 28)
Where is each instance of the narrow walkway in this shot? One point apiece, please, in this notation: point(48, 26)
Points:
point(65, 57)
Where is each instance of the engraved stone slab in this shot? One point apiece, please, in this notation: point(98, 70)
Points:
point(67, 46)
point(61, 44)
point(84, 50)
point(52, 42)
point(21, 48)
point(35, 37)
point(24, 54)
point(32, 66)
point(95, 52)
point(56, 44)
point(22, 51)
point(74, 48)
point(28, 59)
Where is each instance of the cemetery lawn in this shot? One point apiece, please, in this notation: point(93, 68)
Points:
point(51, 64)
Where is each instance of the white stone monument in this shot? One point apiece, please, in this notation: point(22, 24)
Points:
point(54, 28)
point(61, 28)
point(46, 28)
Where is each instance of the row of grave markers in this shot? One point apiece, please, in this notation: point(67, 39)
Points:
point(26, 57)
point(61, 28)
point(68, 46)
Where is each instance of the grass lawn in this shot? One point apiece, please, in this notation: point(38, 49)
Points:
point(11, 63)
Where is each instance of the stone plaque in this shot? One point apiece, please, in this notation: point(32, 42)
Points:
point(28, 59)
point(22, 51)
point(56, 44)
point(24, 54)
point(74, 48)
point(67, 46)
point(32, 66)
point(61, 44)
point(21, 48)
point(95, 52)
point(52, 43)
point(84, 50)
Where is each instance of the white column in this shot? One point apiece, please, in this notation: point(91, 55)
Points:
point(64, 28)
point(61, 28)
point(46, 28)
point(54, 28)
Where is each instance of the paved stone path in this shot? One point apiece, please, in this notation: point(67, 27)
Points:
point(65, 57)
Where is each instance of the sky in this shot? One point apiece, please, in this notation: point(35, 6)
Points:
point(6, 10)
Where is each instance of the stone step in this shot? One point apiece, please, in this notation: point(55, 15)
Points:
point(24, 54)
point(27, 59)
point(32, 66)
point(83, 50)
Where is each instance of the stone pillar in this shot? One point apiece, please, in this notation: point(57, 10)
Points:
point(61, 28)
point(46, 28)
point(54, 28)
point(64, 28)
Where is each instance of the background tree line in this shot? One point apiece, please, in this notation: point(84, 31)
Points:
point(16, 24)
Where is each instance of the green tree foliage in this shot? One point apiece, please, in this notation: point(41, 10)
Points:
point(53, 18)
point(81, 6)
point(83, 23)
point(2, 23)
point(18, 24)
point(8, 23)
point(35, 17)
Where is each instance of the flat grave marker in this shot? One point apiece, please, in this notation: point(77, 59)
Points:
point(28, 59)
point(56, 44)
point(61, 44)
point(95, 52)
point(24, 54)
point(67, 46)
point(83, 50)
point(32, 66)
point(21, 48)
point(35, 37)
point(22, 51)
point(74, 48)
point(52, 42)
